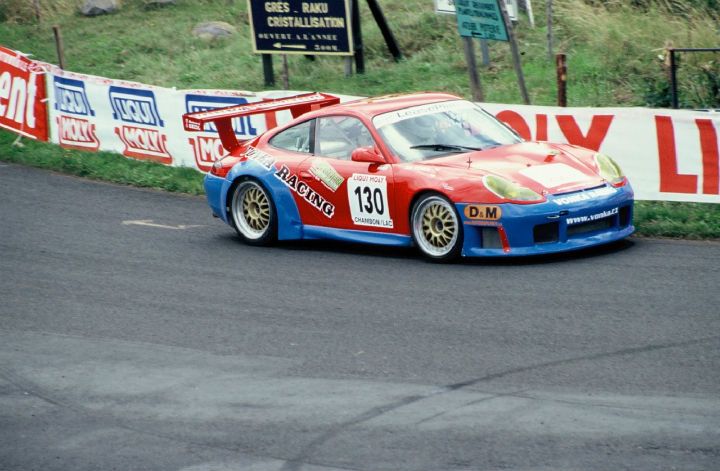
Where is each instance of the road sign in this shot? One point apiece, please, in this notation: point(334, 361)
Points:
point(448, 6)
point(445, 6)
point(481, 19)
point(301, 27)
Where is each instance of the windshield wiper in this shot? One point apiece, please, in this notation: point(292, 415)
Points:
point(445, 147)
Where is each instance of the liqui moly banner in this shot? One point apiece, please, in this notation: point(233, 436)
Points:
point(668, 155)
point(141, 121)
point(23, 105)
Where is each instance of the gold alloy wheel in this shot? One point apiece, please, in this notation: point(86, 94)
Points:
point(436, 227)
point(256, 209)
point(251, 210)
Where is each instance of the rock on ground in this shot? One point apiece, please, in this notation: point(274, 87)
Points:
point(214, 30)
point(99, 7)
point(159, 3)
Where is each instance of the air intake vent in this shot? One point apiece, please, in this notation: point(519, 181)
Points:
point(546, 233)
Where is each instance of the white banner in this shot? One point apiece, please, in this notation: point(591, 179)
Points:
point(668, 155)
point(142, 121)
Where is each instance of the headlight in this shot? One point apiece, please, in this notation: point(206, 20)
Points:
point(609, 169)
point(509, 190)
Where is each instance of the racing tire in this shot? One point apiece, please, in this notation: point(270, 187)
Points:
point(252, 212)
point(436, 228)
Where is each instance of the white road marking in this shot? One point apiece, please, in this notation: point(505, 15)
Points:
point(150, 223)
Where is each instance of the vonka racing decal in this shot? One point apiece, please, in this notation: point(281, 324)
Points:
point(263, 158)
point(584, 196)
point(367, 195)
point(303, 189)
point(138, 109)
point(592, 217)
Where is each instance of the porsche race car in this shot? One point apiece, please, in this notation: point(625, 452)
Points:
point(427, 169)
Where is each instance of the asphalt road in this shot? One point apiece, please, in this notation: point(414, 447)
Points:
point(133, 346)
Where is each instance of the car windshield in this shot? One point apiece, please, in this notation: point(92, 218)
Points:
point(438, 129)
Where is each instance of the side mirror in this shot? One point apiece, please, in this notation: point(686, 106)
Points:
point(368, 155)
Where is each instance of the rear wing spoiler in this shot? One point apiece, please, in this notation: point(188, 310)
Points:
point(222, 117)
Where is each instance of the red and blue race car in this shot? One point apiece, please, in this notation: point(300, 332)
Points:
point(426, 169)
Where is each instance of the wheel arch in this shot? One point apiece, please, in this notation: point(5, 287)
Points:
point(288, 215)
point(419, 194)
point(456, 251)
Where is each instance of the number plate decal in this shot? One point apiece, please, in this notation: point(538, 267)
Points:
point(367, 195)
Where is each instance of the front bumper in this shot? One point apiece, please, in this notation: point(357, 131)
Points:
point(564, 222)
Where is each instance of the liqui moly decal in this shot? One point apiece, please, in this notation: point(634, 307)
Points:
point(135, 106)
point(142, 139)
point(208, 148)
point(77, 133)
point(143, 143)
point(70, 97)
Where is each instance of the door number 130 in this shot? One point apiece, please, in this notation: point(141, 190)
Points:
point(370, 200)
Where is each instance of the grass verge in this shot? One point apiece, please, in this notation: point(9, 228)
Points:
point(652, 218)
point(106, 166)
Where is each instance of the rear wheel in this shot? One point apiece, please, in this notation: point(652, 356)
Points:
point(253, 213)
point(436, 228)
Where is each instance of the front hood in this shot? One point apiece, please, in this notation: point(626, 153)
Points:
point(544, 168)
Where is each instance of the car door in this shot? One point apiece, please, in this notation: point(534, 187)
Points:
point(361, 193)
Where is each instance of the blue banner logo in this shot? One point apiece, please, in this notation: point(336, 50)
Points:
point(70, 97)
point(135, 106)
point(242, 126)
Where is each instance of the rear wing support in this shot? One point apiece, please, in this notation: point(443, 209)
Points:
point(222, 117)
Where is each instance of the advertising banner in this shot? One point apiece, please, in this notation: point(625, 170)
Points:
point(668, 155)
point(141, 121)
point(23, 107)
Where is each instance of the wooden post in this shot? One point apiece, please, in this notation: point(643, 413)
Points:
point(285, 73)
point(485, 50)
point(550, 28)
point(531, 17)
point(515, 54)
point(673, 79)
point(385, 30)
point(36, 7)
point(561, 68)
point(268, 70)
point(357, 38)
point(59, 46)
point(475, 86)
point(348, 66)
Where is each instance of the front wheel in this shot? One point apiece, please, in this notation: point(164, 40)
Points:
point(436, 228)
point(253, 213)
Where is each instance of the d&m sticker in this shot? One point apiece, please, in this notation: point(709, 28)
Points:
point(478, 212)
point(367, 195)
